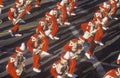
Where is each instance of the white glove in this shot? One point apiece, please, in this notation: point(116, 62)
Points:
point(34, 50)
point(67, 55)
point(17, 70)
point(59, 76)
point(14, 19)
point(70, 75)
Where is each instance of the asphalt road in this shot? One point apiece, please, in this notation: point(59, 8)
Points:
point(105, 56)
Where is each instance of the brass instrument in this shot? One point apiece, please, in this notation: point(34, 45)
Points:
point(17, 18)
point(93, 32)
point(28, 2)
point(38, 50)
point(49, 25)
point(20, 69)
point(20, 12)
point(89, 34)
point(78, 52)
point(20, 64)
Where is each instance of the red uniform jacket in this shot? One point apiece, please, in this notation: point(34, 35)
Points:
point(31, 47)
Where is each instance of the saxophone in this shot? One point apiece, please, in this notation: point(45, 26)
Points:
point(18, 18)
point(20, 64)
point(19, 13)
point(38, 50)
point(28, 2)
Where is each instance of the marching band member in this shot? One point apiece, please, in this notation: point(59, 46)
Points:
point(113, 73)
point(12, 14)
point(50, 17)
point(72, 49)
point(33, 47)
point(15, 17)
point(99, 22)
point(59, 68)
point(16, 62)
point(63, 18)
point(36, 45)
point(42, 28)
point(105, 9)
point(89, 32)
